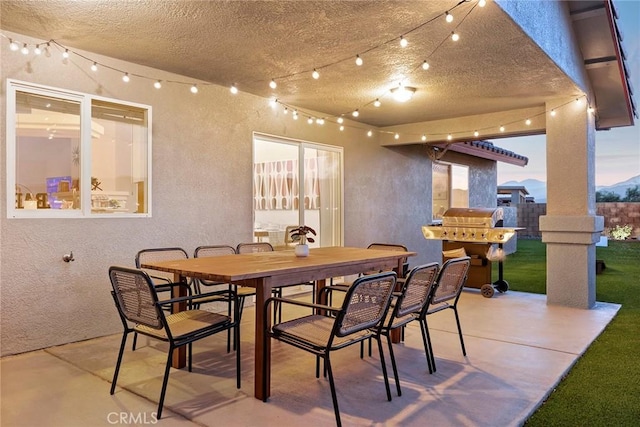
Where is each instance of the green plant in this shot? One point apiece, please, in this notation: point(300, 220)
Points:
point(299, 234)
point(621, 232)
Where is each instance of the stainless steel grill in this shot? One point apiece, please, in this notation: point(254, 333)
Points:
point(476, 230)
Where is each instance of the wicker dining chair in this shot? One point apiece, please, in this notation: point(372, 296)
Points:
point(136, 299)
point(241, 292)
point(245, 248)
point(365, 305)
point(445, 295)
point(408, 306)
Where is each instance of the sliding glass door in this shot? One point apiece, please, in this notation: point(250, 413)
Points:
point(296, 182)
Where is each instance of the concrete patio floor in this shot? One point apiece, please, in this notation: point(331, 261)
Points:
point(518, 349)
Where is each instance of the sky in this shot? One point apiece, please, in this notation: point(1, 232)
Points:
point(617, 150)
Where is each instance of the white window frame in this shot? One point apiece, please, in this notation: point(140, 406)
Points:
point(450, 167)
point(85, 101)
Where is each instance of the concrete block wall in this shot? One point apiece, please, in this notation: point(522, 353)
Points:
point(618, 213)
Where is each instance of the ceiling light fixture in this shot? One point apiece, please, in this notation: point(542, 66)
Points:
point(403, 93)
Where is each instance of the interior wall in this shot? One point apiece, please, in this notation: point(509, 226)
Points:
point(202, 194)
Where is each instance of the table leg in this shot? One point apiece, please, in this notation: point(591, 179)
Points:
point(179, 359)
point(262, 346)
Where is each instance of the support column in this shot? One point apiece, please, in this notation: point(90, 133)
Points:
point(570, 228)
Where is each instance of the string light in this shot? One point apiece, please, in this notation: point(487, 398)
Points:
point(340, 120)
point(273, 102)
point(320, 121)
point(454, 36)
point(476, 134)
point(273, 84)
point(425, 65)
point(403, 42)
point(310, 120)
point(37, 50)
point(25, 49)
point(13, 45)
point(126, 78)
point(369, 133)
point(527, 122)
point(233, 89)
point(157, 84)
point(286, 110)
point(355, 113)
point(359, 61)
point(94, 67)
point(449, 137)
point(65, 54)
point(341, 128)
point(482, 3)
point(591, 110)
point(501, 128)
point(377, 103)
point(396, 136)
point(194, 89)
point(295, 114)
point(448, 17)
point(47, 52)
point(315, 74)
point(552, 113)
point(424, 137)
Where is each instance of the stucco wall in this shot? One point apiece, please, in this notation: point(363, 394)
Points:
point(202, 194)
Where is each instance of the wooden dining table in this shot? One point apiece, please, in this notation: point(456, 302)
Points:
point(267, 270)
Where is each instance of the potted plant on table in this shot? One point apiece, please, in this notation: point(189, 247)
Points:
point(300, 235)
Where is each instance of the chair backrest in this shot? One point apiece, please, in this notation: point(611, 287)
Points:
point(212, 251)
point(247, 248)
point(366, 303)
point(158, 255)
point(451, 278)
point(135, 296)
point(392, 247)
point(416, 290)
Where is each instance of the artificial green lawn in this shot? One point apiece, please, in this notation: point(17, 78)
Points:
point(603, 388)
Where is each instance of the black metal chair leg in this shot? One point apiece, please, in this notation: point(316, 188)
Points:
point(123, 343)
point(334, 397)
point(464, 350)
point(393, 365)
point(165, 381)
point(190, 357)
point(384, 369)
point(425, 342)
point(135, 340)
point(237, 341)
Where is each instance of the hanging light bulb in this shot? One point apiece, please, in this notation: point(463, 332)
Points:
point(157, 84)
point(359, 60)
point(286, 110)
point(527, 122)
point(396, 136)
point(25, 49)
point(315, 74)
point(233, 89)
point(482, 3)
point(340, 120)
point(273, 102)
point(126, 78)
point(476, 134)
point(356, 113)
point(591, 110)
point(310, 120)
point(295, 114)
point(13, 45)
point(37, 50)
point(194, 89)
point(454, 36)
point(424, 137)
point(320, 121)
point(552, 113)
point(403, 42)
point(376, 103)
point(65, 54)
point(449, 137)
point(425, 65)
point(47, 52)
point(341, 128)
point(369, 133)
point(273, 84)
point(94, 67)
point(448, 17)
point(501, 128)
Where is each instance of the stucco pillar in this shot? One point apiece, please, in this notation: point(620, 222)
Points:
point(570, 228)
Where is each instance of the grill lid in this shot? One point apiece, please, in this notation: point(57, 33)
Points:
point(472, 217)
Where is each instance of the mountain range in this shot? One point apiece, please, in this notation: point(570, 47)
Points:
point(538, 189)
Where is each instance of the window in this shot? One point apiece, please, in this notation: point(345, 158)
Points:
point(450, 188)
point(75, 155)
point(296, 183)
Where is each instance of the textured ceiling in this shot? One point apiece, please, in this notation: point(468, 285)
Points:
point(494, 67)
